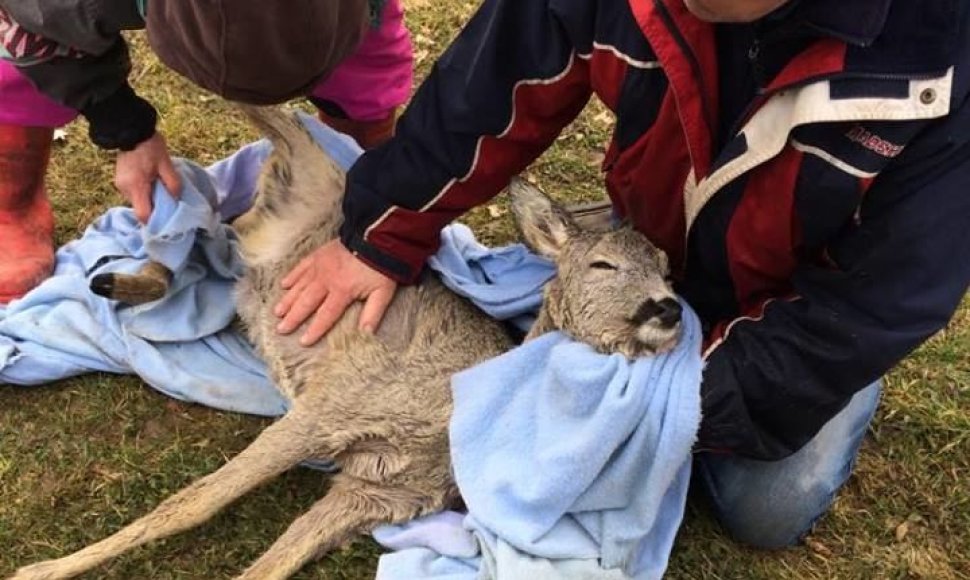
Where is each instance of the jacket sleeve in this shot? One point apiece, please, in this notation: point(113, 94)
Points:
point(74, 53)
point(901, 272)
point(493, 102)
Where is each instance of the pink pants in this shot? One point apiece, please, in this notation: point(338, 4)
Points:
point(367, 86)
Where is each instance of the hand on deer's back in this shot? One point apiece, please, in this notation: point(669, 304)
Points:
point(323, 285)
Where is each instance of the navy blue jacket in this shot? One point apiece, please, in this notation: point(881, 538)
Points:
point(822, 232)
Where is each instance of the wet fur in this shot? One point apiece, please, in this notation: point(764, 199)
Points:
point(604, 279)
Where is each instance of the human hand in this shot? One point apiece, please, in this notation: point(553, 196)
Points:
point(324, 285)
point(136, 170)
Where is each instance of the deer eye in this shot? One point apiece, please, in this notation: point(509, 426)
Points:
point(603, 265)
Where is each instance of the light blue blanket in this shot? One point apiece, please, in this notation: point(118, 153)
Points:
point(181, 345)
point(504, 282)
point(573, 464)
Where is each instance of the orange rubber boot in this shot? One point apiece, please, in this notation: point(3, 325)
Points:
point(368, 134)
point(26, 220)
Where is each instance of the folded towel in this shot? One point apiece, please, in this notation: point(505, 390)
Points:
point(504, 282)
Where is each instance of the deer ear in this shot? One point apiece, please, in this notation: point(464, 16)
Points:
point(545, 225)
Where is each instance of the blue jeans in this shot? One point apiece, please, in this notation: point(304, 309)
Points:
point(773, 504)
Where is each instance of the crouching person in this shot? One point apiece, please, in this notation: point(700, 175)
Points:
point(804, 164)
point(61, 58)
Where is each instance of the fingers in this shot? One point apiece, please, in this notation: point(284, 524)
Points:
point(136, 171)
point(374, 309)
point(327, 315)
point(297, 272)
point(323, 285)
point(306, 299)
point(170, 177)
point(140, 195)
point(292, 295)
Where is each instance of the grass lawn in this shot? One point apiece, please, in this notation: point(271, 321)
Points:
point(80, 458)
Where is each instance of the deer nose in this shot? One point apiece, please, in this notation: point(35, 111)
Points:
point(670, 311)
point(667, 311)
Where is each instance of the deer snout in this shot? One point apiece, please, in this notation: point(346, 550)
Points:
point(666, 312)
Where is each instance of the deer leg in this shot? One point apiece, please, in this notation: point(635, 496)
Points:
point(278, 448)
point(149, 284)
point(352, 506)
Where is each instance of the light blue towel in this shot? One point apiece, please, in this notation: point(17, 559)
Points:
point(572, 464)
point(61, 329)
point(504, 282)
point(181, 345)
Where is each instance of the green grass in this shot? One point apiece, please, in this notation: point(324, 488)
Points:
point(80, 458)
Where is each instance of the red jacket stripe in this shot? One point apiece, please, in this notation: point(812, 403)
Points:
point(763, 234)
point(823, 58)
point(687, 57)
point(531, 130)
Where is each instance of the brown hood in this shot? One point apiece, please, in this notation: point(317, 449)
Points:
point(256, 51)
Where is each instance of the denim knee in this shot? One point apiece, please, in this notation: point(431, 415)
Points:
point(769, 516)
point(773, 504)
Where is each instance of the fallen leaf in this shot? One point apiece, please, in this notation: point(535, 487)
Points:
point(818, 547)
point(495, 211)
point(901, 531)
point(604, 118)
point(106, 473)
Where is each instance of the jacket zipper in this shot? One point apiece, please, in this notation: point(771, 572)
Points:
point(762, 94)
point(695, 66)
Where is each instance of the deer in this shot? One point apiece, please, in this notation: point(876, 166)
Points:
point(377, 404)
point(611, 290)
